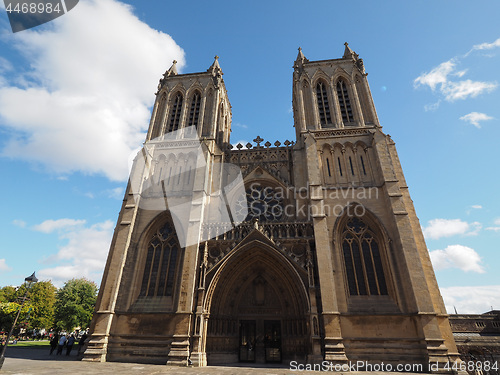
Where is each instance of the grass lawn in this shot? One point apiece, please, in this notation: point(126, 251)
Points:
point(43, 344)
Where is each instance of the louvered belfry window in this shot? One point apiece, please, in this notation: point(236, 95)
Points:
point(175, 114)
point(194, 112)
point(344, 102)
point(323, 106)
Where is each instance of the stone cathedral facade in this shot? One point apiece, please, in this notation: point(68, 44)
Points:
point(321, 258)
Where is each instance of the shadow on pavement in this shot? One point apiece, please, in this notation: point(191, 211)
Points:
point(39, 354)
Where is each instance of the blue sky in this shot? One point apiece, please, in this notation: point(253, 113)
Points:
point(76, 96)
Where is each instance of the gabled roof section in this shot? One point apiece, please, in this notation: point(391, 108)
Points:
point(258, 236)
point(260, 173)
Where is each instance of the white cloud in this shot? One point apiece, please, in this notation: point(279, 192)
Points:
point(457, 256)
point(484, 46)
point(474, 207)
point(84, 255)
point(437, 76)
point(439, 79)
point(432, 107)
point(474, 118)
point(49, 226)
point(19, 223)
point(5, 65)
point(89, 90)
point(471, 299)
point(3, 266)
point(461, 73)
point(438, 228)
point(243, 126)
point(465, 89)
point(496, 228)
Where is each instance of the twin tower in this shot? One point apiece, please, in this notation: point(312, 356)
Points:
point(304, 251)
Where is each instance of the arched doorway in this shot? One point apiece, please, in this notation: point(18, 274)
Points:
point(258, 309)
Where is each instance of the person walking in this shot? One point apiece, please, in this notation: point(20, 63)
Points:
point(69, 344)
point(53, 343)
point(62, 342)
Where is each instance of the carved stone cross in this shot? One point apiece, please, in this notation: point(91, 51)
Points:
point(258, 140)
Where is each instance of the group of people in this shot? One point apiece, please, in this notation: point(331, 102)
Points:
point(65, 341)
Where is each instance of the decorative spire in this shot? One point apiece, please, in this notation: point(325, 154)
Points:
point(301, 59)
point(349, 53)
point(215, 66)
point(173, 69)
point(301, 56)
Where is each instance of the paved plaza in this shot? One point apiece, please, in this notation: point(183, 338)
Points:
point(28, 361)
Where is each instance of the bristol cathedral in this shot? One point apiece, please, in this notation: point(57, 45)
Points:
point(307, 250)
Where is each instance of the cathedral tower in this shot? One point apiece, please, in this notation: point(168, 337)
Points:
point(197, 99)
point(306, 251)
point(380, 299)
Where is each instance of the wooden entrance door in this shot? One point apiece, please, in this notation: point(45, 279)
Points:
point(272, 340)
point(247, 341)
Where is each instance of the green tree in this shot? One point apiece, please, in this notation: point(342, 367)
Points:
point(75, 304)
point(42, 298)
point(10, 301)
point(8, 294)
point(8, 311)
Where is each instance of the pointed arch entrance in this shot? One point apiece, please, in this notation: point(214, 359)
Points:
point(258, 308)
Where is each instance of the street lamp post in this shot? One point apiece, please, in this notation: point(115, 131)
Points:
point(30, 280)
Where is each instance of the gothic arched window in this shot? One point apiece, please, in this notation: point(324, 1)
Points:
point(194, 112)
point(162, 260)
point(362, 259)
point(175, 114)
point(323, 107)
point(344, 102)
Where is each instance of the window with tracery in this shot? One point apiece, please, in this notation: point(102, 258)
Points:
point(362, 259)
point(323, 107)
point(161, 268)
point(194, 112)
point(260, 202)
point(344, 102)
point(175, 114)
